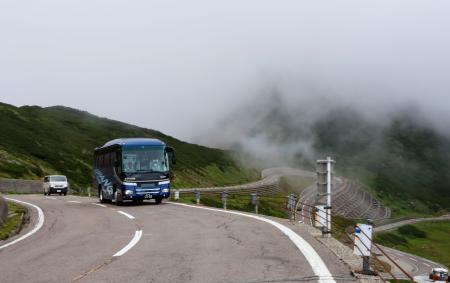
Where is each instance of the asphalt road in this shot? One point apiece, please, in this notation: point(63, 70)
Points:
point(79, 239)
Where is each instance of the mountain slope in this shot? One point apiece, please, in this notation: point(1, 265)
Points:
point(36, 141)
point(402, 158)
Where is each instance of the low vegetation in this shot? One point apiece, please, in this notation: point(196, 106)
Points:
point(426, 239)
point(16, 217)
point(268, 205)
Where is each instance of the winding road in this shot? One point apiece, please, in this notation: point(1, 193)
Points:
point(81, 240)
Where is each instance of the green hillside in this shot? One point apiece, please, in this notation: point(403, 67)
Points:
point(405, 162)
point(36, 141)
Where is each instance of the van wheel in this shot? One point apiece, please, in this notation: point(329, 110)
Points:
point(65, 193)
point(158, 200)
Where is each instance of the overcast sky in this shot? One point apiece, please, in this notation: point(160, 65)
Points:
point(181, 66)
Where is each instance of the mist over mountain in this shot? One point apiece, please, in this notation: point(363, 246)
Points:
point(399, 152)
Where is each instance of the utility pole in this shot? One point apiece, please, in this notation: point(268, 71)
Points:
point(324, 184)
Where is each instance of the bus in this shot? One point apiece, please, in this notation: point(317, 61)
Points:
point(132, 169)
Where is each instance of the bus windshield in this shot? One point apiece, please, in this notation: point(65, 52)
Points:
point(144, 159)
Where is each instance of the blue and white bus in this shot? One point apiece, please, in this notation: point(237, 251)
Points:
point(133, 169)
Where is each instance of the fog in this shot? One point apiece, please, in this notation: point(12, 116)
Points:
point(186, 68)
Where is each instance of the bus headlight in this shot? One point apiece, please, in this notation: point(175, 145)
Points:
point(128, 192)
point(165, 190)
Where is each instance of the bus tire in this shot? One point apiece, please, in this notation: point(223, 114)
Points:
point(101, 197)
point(118, 202)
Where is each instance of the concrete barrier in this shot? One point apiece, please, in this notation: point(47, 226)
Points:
point(20, 186)
point(3, 211)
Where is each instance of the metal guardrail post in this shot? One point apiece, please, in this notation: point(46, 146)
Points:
point(291, 206)
point(255, 201)
point(197, 197)
point(224, 199)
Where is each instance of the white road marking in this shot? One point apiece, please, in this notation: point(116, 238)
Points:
point(50, 197)
point(126, 214)
point(413, 259)
point(39, 224)
point(132, 243)
point(98, 204)
point(426, 264)
point(74, 201)
point(318, 266)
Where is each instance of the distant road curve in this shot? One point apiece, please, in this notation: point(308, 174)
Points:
point(395, 225)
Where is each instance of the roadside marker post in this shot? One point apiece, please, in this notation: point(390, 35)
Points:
point(255, 202)
point(224, 196)
point(197, 197)
point(177, 195)
point(291, 207)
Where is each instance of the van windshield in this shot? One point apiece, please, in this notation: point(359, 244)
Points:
point(58, 179)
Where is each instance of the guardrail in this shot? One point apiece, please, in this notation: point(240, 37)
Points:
point(378, 254)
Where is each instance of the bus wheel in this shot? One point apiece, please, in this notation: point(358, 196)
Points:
point(100, 196)
point(158, 200)
point(118, 203)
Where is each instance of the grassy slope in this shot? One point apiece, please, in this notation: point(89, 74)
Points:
point(427, 239)
point(14, 222)
point(36, 141)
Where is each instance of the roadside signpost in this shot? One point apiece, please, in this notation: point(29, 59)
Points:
point(363, 244)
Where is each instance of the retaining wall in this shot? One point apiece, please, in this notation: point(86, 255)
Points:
point(3, 211)
point(20, 186)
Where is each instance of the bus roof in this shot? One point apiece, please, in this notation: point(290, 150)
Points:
point(124, 142)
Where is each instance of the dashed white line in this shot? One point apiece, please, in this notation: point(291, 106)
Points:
point(126, 214)
point(413, 259)
point(50, 197)
point(318, 266)
point(426, 264)
point(74, 201)
point(132, 243)
point(36, 228)
point(98, 204)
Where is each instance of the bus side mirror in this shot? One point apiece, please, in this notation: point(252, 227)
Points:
point(171, 152)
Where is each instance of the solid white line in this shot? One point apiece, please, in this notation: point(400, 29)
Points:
point(126, 214)
point(318, 266)
point(98, 204)
point(36, 228)
point(74, 201)
point(132, 243)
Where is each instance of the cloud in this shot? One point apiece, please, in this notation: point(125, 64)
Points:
point(183, 67)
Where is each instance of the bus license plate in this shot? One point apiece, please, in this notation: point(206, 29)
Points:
point(148, 196)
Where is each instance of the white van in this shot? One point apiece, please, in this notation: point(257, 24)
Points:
point(55, 184)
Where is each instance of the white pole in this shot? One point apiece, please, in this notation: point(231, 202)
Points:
point(328, 194)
